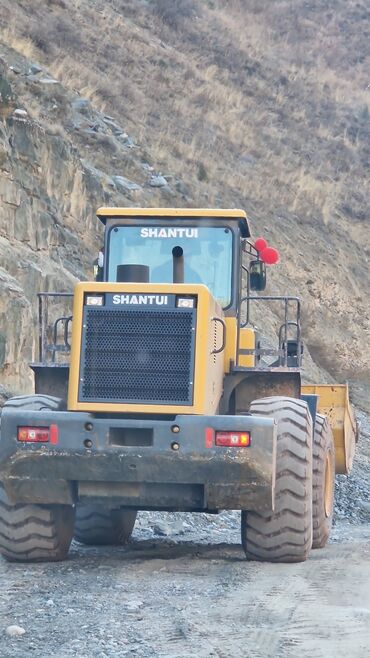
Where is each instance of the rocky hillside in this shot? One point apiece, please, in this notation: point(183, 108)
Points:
point(252, 104)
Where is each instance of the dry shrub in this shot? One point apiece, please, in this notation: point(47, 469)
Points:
point(55, 33)
point(202, 172)
point(57, 3)
point(175, 12)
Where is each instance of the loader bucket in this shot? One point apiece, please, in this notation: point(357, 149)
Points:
point(333, 402)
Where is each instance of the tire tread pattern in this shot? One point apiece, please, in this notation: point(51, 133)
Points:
point(34, 533)
point(35, 403)
point(323, 447)
point(284, 535)
point(103, 526)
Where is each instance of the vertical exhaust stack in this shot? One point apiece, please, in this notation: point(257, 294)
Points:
point(178, 264)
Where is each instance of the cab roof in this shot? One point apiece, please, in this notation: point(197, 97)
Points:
point(177, 213)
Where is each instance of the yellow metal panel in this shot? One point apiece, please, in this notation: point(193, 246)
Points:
point(334, 403)
point(231, 341)
point(247, 341)
point(208, 371)
point(170, 212)
point(74, 366)
point(212, 365)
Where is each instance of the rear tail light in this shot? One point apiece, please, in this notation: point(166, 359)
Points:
point(34, 434)
point(233, 439)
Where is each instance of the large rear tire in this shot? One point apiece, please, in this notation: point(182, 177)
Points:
point(323, 482)
point(34, 533)
point(284, 535)
point(97, 525)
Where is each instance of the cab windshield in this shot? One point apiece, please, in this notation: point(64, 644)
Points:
point(207, 254)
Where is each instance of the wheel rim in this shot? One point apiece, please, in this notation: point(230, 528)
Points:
point(329, 486)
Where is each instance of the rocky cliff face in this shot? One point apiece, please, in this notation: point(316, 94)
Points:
point(49, 234)
point(44, 223)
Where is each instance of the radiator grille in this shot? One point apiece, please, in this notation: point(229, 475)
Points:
point(138, 356)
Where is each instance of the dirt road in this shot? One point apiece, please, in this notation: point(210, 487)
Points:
point(185, 599)
point(182, 589)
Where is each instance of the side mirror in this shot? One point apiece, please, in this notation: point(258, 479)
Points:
point(257, 275)
point(98, 273)
point(99, 266)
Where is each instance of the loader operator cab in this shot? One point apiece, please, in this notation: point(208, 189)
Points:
point(170, 246)
point(205, 252)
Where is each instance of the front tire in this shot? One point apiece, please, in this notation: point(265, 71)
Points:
point(323, 482)
point(97, 525)
point(284, 535)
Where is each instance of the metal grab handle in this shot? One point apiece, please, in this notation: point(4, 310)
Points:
point(220, 349)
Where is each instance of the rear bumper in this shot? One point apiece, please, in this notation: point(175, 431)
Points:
point(131, 462)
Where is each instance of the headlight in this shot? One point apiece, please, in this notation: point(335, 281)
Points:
point(185, 302)
point(94, 300)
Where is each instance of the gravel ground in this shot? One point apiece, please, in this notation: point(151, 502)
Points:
point(182, 589)
point(352, 494)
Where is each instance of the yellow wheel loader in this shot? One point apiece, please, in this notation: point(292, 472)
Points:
point(155, 393)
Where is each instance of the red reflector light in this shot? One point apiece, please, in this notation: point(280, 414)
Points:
point(233, 439)
point(34, 434)
point(210, 437)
